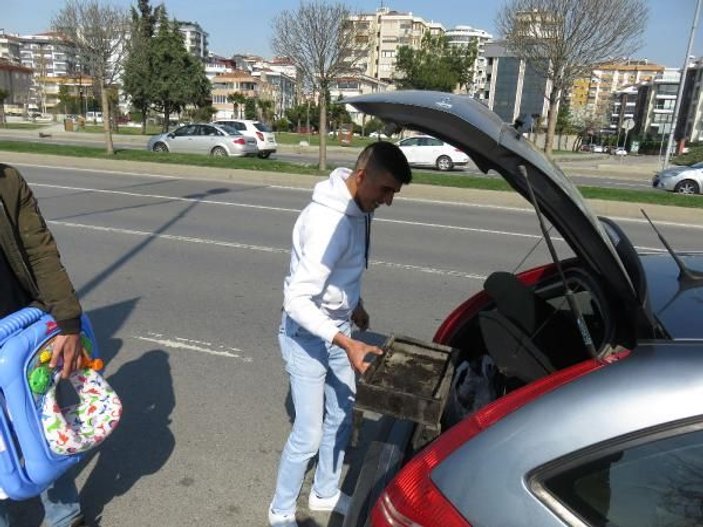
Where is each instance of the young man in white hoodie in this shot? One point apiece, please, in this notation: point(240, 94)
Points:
point(321, 300)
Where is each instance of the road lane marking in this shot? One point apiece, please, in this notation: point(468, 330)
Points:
point(193, 345)
point(259, 248)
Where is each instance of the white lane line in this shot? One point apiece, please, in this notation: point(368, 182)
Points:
point(260, 248)
point(94, 170)
point(281, 209)
point(193, 345)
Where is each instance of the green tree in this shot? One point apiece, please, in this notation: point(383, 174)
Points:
point(179, 78)
point(4, 94)
point(237, 99)
point(250, 108)
point(437, 65)
point(266, 109)
point(138, 77)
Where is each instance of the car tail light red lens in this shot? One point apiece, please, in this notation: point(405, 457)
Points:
point(260, 136)
point(412, 499)
point(240, 141)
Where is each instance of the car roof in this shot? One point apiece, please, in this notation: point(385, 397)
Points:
point(469, 125)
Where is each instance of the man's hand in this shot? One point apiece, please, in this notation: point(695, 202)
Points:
point(67, 347)
point(360, 317)
point(356, 351)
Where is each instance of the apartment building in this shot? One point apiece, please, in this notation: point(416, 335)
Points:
point(10, 47)
point(16, 80)
point(690, 123)
point(514, 88)
point(607, 78)
point(353, 85)
point(380, 34)
point(623, 107)
point(195, 39)
point(463, 36)
point(656, 99)
point(227, 83)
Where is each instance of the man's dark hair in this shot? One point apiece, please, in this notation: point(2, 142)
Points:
point(382, 156)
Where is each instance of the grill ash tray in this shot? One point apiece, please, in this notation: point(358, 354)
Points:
point(410, 380)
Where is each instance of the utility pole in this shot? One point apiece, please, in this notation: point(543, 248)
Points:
point(677, 105)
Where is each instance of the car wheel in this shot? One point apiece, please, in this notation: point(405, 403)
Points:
point(264, 155)
point(218, 151)
point(160, 147)
point(444, 163)
point(687, 186)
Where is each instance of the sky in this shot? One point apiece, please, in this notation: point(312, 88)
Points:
point(244, 26)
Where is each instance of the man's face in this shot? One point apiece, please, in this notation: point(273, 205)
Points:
point(374, 190)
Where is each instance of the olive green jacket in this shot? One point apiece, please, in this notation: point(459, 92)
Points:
point(32, 254)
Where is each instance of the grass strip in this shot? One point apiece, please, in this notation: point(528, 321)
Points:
point(270, 165)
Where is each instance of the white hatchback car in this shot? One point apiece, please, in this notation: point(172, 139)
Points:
point(265, 138)
point(427, 151)
point(681, 179)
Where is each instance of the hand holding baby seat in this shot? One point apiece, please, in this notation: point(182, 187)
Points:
point(39, 440)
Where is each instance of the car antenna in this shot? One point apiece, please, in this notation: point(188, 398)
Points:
point(685, 274)
point(580, 321)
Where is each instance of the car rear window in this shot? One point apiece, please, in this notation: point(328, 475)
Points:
point(261, 127)
point(231, 130)
point(648, 485)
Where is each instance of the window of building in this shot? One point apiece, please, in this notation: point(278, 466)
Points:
point(388, 53)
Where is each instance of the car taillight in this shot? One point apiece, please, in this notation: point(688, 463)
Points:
point(260, 136)
point(240, 141)
point(412, 499)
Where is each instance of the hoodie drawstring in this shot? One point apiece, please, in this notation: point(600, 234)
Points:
point(367, 217)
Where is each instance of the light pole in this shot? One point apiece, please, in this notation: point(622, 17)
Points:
point(677, 105)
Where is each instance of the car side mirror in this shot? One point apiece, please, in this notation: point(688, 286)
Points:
point(171, 135)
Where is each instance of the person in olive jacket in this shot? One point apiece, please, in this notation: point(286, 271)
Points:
point(31, 274)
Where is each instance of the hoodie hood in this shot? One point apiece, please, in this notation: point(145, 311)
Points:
point(334, 193)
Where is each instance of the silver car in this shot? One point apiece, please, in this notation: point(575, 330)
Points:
point(572, 393)
point(214, 140)
point(681, 179)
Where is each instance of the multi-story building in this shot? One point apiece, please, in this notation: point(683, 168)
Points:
point(228, 83)
point(623, 107)
point(217, 65)
point(195, 39)
point(608, 78)
point(16, 80)
point(353, 85)
point(380, 34)
point(48, 54)
point(10, 47)
point(464, 36)
point(689, 125)
point(514, 88)
point(656, 100)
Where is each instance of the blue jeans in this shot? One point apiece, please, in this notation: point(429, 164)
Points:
point(60, 501)
point(323, 388)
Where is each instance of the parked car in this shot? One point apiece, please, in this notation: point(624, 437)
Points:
point(619, 151)
point(215, 140)
point(681, 179)
point(378, 135)
point(427, 151)
point(597, 149)
point(576, 397)
point(264, 136)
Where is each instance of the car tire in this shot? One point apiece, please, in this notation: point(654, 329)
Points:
point(160, 148)
point(444, 163)
point(218, 151)
point(687, 186)
point(264, 155)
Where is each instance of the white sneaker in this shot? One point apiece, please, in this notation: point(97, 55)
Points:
point(277, 519)
point(338, 503)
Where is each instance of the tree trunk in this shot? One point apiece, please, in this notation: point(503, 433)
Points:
point(2, 113)
point(167, 117)
point(105, 103)
point(323, 130)
point(551, 121)
point(144, 109)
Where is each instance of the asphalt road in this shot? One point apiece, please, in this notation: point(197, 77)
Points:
point(182, 280)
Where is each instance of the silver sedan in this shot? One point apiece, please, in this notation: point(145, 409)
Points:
point(214, 140)
point(681, 179)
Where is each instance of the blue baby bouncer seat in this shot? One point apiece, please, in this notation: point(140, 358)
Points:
point(39, 440)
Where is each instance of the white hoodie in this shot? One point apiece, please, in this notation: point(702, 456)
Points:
point(328, 258)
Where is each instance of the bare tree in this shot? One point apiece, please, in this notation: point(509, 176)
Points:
point(321, 40)
point(563, 39)
point(99, 32)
